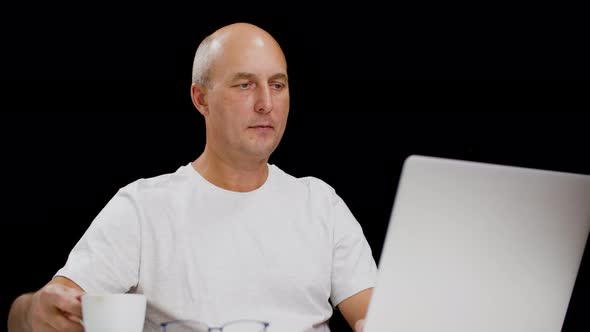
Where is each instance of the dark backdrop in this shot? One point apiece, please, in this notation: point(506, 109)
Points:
point(96, 99)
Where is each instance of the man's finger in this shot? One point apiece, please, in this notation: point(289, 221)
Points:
point(70, 303)
point(73, 318)
point(61, 323)
point(48, 328)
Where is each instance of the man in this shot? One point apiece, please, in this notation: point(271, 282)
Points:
point(227, 236)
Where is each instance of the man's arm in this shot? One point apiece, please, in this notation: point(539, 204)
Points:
point(354, 308)
point(55, 307)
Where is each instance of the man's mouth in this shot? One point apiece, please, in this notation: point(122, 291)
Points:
point(262, 126)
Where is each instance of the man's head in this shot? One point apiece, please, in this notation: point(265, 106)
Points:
point(240, 86)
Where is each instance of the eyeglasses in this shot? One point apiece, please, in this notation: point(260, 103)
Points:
point(233, 326)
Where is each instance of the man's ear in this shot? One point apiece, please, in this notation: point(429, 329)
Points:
point(199, 98)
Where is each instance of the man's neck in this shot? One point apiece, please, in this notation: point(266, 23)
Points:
point(241, 177)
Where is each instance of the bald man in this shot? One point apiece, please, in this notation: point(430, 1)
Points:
point(228, 236)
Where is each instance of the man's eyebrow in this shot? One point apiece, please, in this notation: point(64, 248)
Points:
point(280, 77)
point(243, 75)
point(251, 76)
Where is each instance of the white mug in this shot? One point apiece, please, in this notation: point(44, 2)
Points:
point(113, 312)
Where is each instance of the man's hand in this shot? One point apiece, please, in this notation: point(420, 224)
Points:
point(56, 307)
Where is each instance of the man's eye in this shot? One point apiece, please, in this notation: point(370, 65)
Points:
point(278, 86)
point(244, 86)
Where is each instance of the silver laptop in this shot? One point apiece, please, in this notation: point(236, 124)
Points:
point(474, 247)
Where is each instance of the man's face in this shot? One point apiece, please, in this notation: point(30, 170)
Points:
point(248, 99)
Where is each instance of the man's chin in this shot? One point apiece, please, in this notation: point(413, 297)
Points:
point(258, 154)
point(261, 151)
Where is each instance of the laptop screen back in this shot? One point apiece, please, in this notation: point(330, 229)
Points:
point(480, 247)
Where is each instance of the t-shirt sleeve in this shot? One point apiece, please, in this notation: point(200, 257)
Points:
point(106, 258)
point(354, 268)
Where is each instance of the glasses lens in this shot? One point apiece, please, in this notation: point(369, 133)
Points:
point(245, 326)
point(186, 326)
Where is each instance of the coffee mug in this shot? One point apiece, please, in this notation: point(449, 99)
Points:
point(113, 312)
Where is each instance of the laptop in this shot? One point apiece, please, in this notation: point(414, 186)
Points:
point(480, 247)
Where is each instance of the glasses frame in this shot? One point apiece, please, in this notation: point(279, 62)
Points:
point(214, 328)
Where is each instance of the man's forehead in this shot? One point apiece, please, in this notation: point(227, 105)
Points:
point(231, 66)
point(252, 57)
point(215, 45)
point(228, 41)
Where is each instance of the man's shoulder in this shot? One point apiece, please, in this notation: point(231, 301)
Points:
point(310, 183)
point(164, 182)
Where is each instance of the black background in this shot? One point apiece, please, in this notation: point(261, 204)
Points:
point(95, 97)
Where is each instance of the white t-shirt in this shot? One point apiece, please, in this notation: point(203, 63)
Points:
point(197, 251)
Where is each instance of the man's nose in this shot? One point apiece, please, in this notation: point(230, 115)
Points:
point(264, 99)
